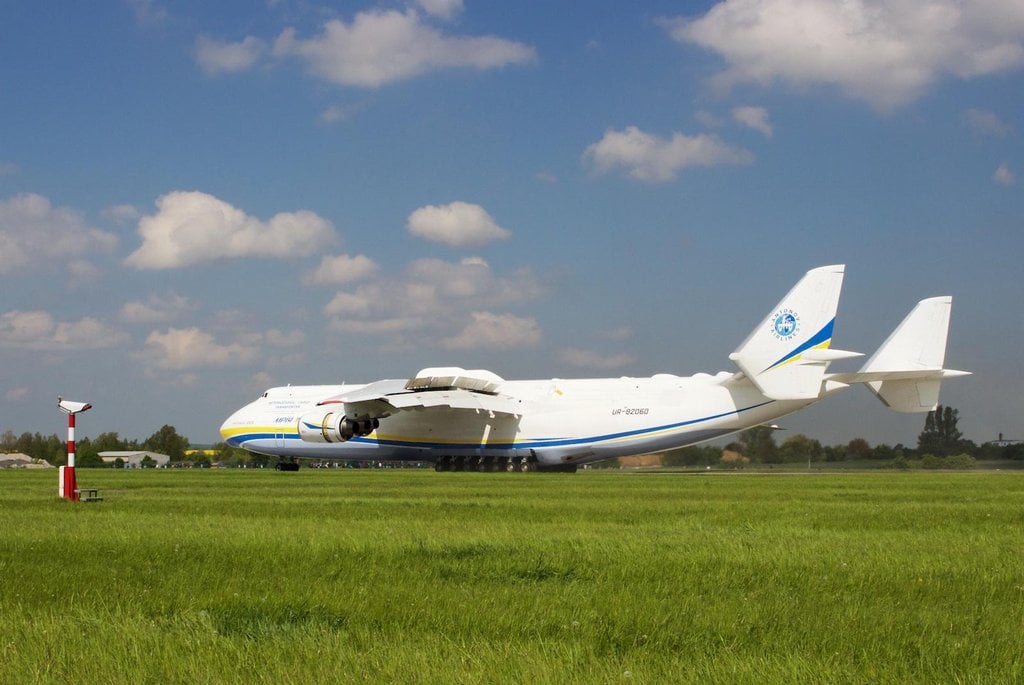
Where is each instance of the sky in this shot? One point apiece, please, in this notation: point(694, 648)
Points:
point(200, 200)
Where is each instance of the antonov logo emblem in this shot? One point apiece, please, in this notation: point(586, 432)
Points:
point(785, 324)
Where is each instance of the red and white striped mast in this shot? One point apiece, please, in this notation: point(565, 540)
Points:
point(67, 487)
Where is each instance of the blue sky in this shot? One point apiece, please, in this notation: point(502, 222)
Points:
point(201, 200)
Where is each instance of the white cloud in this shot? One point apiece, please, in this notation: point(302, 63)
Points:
point(647, 157)
point(273, 337)
point(495, 331)
point(709, 119)
point(82, 271)
point(148, 12)
point(337, 113)
point(193, 227)
point(38, 330)
point(380, 47)
point(15, 394)
point(341, 269)
point(618, 334)
point(35, 234)
point(592, 360)
point(349, 304)
point(1003, 175)
point(157, 309)
point(217, 57)
point(278, 338)
point(261, 380)
point(887, 52)
point(376, 326)
point(432, 298)
point(986, 123)
point(755, 118)
point(459, 224)
point(189, 348)
point(442, 9)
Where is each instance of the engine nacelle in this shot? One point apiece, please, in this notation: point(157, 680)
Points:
point(332, 426)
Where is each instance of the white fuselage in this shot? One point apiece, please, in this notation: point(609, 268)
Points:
point(556, 421)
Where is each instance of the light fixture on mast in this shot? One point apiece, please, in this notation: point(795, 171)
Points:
point(67, 487)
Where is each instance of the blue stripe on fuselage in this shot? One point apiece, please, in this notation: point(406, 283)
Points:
point(239, 440)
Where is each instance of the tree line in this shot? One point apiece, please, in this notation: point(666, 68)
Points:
point(167, 440)
point(940, 444)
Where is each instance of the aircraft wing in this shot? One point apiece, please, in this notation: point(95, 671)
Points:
point(452, 388)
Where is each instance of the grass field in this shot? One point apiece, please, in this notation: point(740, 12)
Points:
point(423, 577)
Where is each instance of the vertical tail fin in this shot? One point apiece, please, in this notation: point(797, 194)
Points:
point(906, 371)
point(787, 354)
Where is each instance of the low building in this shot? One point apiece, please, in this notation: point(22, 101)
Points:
point(17, 460)
point(135, 458)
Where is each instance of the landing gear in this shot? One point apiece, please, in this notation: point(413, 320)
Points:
point(287, 465)
point(507, 464)
point(481, 464)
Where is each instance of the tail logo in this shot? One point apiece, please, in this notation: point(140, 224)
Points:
point(785, 324)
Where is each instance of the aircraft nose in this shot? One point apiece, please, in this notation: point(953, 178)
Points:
point(229, 430)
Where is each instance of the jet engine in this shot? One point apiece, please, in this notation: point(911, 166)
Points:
point(331, 426)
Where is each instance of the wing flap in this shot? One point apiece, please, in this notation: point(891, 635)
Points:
point(455, 399)
point(383, 398)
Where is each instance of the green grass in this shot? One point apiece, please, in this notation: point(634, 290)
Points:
point(422, 577)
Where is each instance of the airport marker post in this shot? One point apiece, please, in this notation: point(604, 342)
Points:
point(67, 487)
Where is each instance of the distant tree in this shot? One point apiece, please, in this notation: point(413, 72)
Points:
point(262, 460)
point(858, 449)
point(733, 460)
point(147, 462)
point(53, 449)
point(694, 455)
point(50, 448)
point(940, 436)
point(86, 454)
point(884, 452)
point(834, 452)
point(167, 441)
point(109, 442)
point(1014, 451)
point(992, 451)
point(231, 456)
point(8, 441)
point(800, 448)
point(30, 444)
point(758, 443)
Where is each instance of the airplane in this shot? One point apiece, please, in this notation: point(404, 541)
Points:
point(474, 420)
